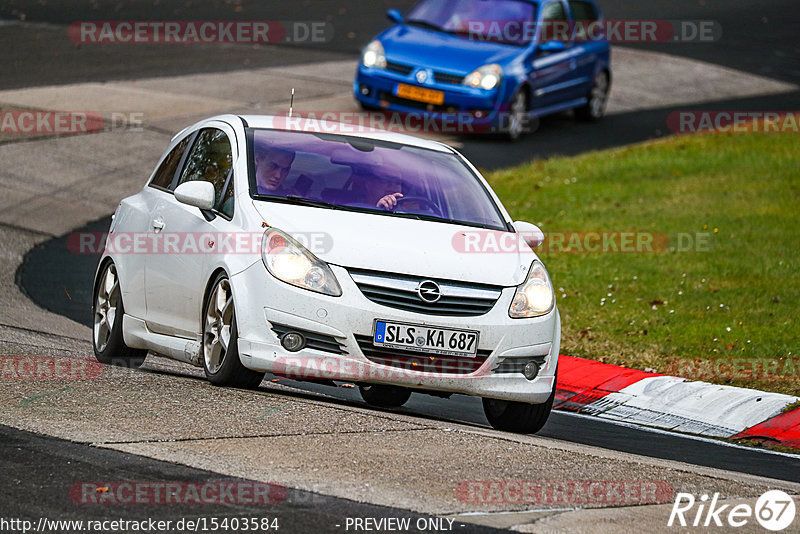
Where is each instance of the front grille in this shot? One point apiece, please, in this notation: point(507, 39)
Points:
point(421, 362)
point(400, 291)
point(515, 365)
point(399, 68)
point(314, 340)
point(443, 77)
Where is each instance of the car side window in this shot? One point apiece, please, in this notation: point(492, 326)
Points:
point(166, 171)
point(582, 10)
point(555, 23)
point(583, 13)
point(211, 160)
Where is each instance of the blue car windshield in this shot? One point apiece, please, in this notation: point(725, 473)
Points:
point(356, 174)
point(501, 21)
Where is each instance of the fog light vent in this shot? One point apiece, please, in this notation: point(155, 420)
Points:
point(530, 370)
point(293, 341)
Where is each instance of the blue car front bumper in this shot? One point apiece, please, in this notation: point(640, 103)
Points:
point(466, 108)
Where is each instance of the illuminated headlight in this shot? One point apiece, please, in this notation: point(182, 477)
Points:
point(374, 56)
point(535, 295)
point(288, 261)
point(486, 77)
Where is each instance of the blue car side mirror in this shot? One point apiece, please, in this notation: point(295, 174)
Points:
point(395, 16)
point(552, 46)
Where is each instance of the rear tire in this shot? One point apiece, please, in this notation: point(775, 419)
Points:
point(519, 417)
point(595, 108)
point(384, 396)
point(107, 312)
point(517, 116)
point(220, 346)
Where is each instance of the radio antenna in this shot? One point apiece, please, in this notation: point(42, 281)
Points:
point(291, 103)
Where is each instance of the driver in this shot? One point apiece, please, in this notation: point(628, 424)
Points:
point(382, 191)
point(385, 190)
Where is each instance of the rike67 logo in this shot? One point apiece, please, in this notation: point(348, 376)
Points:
point(774, 510)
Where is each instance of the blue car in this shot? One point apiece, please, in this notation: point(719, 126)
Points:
point(502, 63)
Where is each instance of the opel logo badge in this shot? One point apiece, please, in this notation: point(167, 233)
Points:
point(429, 291)
point(422, 76)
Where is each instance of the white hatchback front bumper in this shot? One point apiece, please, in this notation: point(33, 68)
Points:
point(340, 330)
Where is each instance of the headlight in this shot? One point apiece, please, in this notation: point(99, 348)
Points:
point(535, 296)
point(486, 77)
point(288, 261)
point(374, 56)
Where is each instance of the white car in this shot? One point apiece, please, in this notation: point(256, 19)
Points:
point(368, 257)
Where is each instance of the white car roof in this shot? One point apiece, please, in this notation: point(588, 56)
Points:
point(271, 122)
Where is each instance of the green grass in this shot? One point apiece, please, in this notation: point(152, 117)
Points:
point(727, 313)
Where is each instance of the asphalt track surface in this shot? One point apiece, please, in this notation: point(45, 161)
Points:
point(49, 288)
point(38, 473)
point(758, 37)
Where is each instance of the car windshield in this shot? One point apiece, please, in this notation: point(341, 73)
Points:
point(502, 21)
point(352, 173)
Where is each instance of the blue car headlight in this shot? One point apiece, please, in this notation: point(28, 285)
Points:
point(374, 56)
point(487, 77)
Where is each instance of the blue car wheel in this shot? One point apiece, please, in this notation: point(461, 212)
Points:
point(595, 108)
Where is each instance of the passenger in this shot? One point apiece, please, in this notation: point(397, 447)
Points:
point(272, 167)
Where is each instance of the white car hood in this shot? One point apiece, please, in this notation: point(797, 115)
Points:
point(398, 245)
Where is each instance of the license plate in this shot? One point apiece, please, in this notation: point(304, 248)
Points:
point(427, 339)
point(420, 94)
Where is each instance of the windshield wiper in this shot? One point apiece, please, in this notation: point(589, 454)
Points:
point(302, 201)
point(309, 202)
point(426, 24)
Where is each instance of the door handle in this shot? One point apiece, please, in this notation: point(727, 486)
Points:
point(158, 224)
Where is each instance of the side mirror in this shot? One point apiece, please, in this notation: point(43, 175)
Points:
point(395, 16)
point(198, 194)
point(531, 233)
point(550, 47)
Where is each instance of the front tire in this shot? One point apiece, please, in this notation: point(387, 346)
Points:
point(519, 417)
point(220, 348)
point(595, 108)
point(384, 396)
point(107, 312)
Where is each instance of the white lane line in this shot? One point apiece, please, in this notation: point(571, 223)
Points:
point(651, 80)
